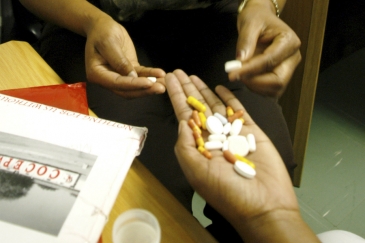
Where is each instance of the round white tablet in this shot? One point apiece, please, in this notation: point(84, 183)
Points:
point(244, 169)
point(238, 145)
point(214, 125)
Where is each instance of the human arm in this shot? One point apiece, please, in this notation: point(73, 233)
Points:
point(267, 47)
point(262, 209)
point(110, 56)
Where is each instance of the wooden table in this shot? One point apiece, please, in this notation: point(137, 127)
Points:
point(20, 67)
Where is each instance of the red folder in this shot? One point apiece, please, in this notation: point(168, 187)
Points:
point(63, 96)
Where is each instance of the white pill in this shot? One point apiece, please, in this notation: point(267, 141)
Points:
point(217, 137)
point(214, 125)
point(211, 145)
point(227, 128)
point(221, 118)
point(236, 127)
point(244, 169)
point(225, 145)
point(238, 145)
point(251, 142)
point(232, 65)
point(153, 79)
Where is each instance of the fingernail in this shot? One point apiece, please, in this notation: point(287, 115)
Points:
point(241, 55)
point(133, 74)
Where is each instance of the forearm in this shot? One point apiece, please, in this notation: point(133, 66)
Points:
point(75, 15)
point(281, 227)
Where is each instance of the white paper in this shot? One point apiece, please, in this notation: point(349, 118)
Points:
point(49, 143)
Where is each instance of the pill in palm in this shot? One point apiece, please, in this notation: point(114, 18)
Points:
point(198, 138)
point(212, 145)
point(244, 159)
point(232, 65)
point(214, 125)
point(217, 137)
point(196, 118)
point(251, 142)
point(238, 145)
point(244, 169)
point(203, 120)
point(225, 145)
point(229, 156)
point(236, 115)
point(204, 152)
point(227, 128)
point(229, 111)
point(236, 127)
point(193, 126)
point(196, 104)
point(221, 118)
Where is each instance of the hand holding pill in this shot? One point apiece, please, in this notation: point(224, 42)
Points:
point(214, 177)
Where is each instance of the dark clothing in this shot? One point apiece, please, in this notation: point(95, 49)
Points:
point(197, 41)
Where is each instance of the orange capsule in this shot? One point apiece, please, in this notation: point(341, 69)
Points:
point(207, 154)
point(196, 118)
point(203, 120)
point(229, 156)
point(198, 139)
point(229, 111)
point(193, 126)
point(204, 152)
point(236, 115)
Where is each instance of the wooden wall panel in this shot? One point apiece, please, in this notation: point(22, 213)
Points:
point(308, 19)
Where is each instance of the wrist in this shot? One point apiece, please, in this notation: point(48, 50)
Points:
point(277, 226)
point(272, 5)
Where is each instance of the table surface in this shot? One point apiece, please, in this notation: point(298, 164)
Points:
point(20, 67)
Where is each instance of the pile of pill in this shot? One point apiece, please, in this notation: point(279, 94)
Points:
point(224, 135)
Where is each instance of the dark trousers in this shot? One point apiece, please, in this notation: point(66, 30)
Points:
point(196, 41)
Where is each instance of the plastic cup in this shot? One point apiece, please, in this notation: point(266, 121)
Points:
point(136, 226)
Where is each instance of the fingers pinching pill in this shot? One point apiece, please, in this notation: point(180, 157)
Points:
point(232, 65)
point(244, 169)
point(153, 79)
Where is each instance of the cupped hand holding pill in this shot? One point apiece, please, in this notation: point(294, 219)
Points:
point(215, 179)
